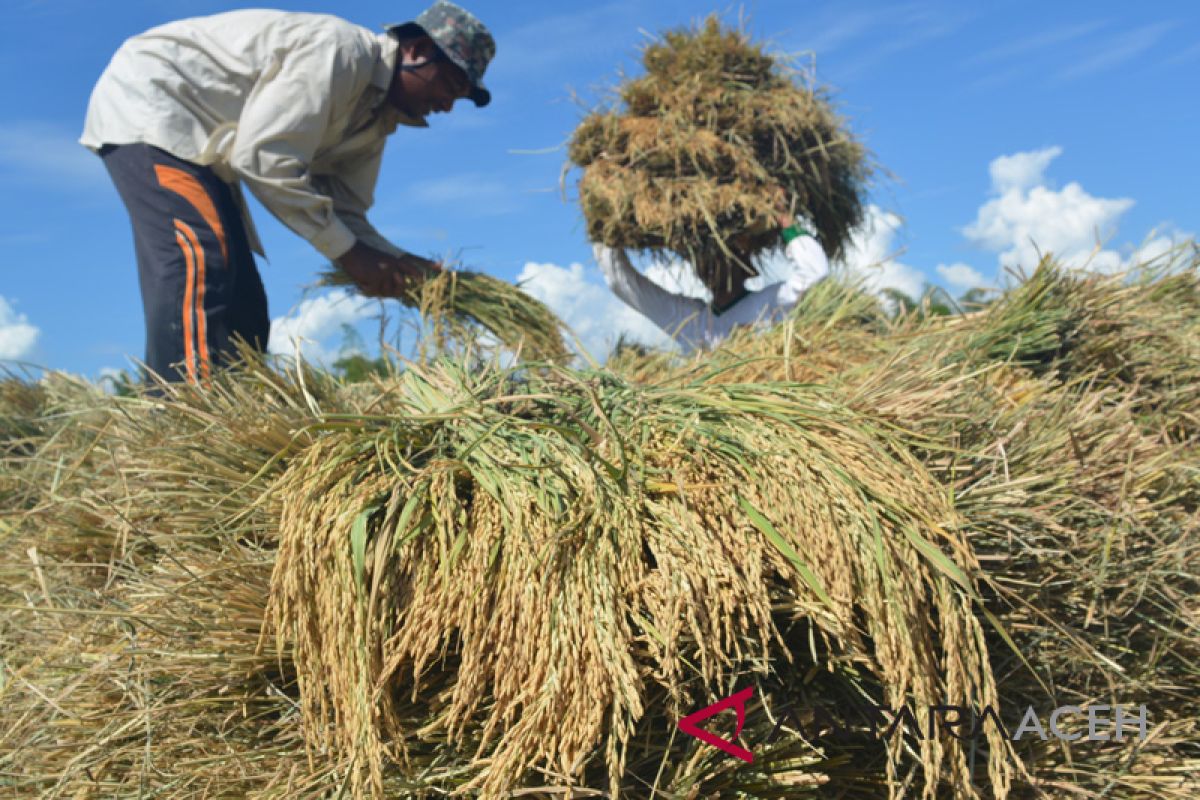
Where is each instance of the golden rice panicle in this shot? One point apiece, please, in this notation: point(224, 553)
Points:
point(557, 556)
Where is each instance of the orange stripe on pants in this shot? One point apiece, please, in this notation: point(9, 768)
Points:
point(186, 185)
point(189, 287)
point(201, 316)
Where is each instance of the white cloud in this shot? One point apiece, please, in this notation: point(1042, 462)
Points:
point(872, 252)
point(1117, 51)
point(109, 377)
point(1154, 249)
point(17, 336)
point(1026, 217)
point(1167, 239)
point(592, 311)
point(310, 328)
point(960, 276)
point(1021, 171)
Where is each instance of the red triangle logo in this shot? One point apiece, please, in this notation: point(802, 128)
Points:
point(689, 724)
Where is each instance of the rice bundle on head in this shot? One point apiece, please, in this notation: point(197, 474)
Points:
point(714, 142)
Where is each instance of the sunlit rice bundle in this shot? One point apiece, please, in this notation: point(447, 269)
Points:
point(1063, 419)
point(478, 580)
point(708, 147)
point(456, 306)
point(569, 548)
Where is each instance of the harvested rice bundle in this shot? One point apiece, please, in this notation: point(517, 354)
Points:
point(133, 589)
point(173, 621)
point(712, 144)
point(156, 683)
point(1076, 475)
point(1086, 524)
point(1044, 320)
point(129, 654)
point(1080, 497)
point(571, 547)
point(458, 305)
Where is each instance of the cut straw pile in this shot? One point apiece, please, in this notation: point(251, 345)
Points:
point(1065, 419)
point(490, 580)
point(709, 147)
point(493, 580)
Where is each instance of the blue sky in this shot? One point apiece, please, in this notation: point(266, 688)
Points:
point(1002, 125)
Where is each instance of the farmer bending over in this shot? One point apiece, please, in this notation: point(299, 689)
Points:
point(295, 106)
point(696, 324)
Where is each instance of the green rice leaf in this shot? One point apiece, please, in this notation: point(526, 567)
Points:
point(764, 525)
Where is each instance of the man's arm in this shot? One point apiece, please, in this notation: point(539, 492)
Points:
point(677, 315)
point(379, 274)
point(352, 192)
point(808, 261)
point(281, 127)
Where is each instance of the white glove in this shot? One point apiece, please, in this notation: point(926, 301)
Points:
point(613, 261)
point(804, 223)
point(810, 264)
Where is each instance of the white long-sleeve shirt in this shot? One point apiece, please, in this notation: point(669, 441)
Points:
point(292, 105)
point(689, 320)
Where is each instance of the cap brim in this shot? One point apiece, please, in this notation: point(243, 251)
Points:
point(480, 96)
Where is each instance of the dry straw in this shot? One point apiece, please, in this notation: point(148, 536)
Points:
point(708, 147)
point(483, 580)
point(571, 547)
point(571, 575)
point(1062, 418)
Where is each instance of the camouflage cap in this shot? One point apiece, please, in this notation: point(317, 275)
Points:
point(462, 37)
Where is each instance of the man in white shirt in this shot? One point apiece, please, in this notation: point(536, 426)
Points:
point(297, 107)
point(694, 324)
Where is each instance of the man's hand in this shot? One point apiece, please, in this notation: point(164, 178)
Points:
point(379, 274)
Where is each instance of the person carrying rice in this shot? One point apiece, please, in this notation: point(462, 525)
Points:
point(298, 108)
point(694, 324)
point(703, 159)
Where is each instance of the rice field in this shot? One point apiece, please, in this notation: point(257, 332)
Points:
point(489, 579)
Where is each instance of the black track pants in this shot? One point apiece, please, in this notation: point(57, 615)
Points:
point(200, 286)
